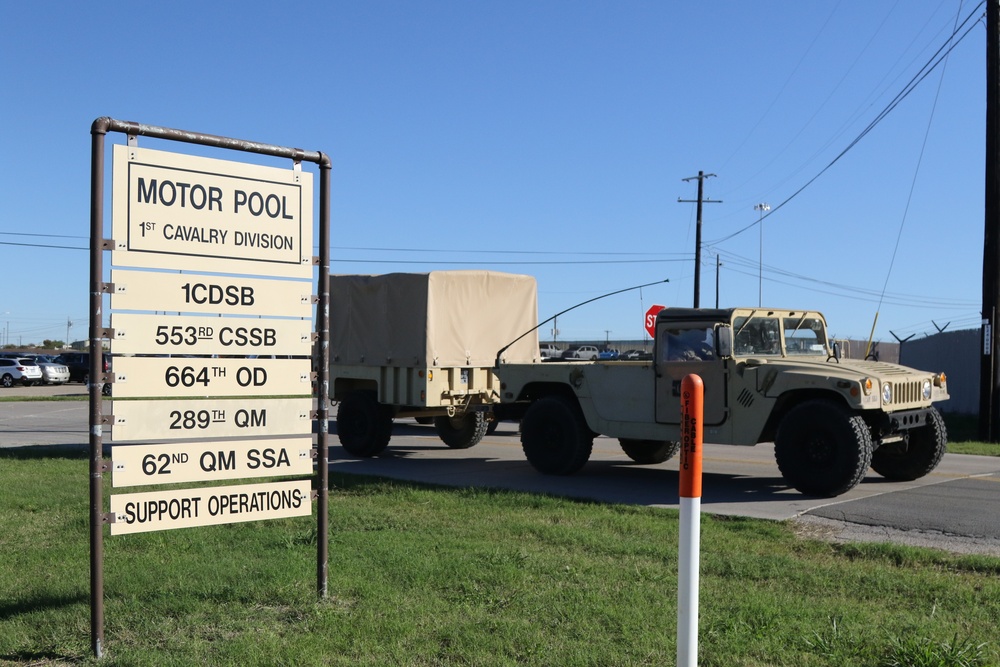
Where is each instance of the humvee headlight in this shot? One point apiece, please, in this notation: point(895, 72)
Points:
point(926, 390)
point(866, 386)
point(887, 393)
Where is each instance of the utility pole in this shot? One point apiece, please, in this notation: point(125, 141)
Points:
point(989, 369)
point(697, 241)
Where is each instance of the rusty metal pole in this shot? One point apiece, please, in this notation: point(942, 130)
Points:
point(98, 132)
point(323, 381)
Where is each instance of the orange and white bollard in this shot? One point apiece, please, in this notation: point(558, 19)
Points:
point(689, 549)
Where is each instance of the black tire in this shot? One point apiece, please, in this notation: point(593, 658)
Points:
point(461, 431)
point(917, 455)
point(822, 448)
point(106, 389)
point(7, 380)
point(364, 425)
point(555, 437)
point(649, 452)
point(491, 427)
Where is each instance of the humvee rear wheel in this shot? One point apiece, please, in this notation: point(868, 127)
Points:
point(915, 457)
point(364, 425)
point(461, 431)
point(823, 449)
point(555, 437)
point(649, 451)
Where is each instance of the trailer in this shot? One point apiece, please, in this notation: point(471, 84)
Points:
point(424, 345)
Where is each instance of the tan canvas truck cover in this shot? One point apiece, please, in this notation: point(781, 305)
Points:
point(436, 319)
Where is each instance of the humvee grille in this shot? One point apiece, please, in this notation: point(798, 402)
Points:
point(906, 392)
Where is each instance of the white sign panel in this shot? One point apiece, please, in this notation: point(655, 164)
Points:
point(169, 334)
point(176, 463)
point(183, 420)
point(187, 377)
point(176, 211)
point(184, 508)
point(192, 293)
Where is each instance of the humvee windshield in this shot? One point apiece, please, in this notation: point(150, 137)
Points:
point(762, 335)
point(805, 335)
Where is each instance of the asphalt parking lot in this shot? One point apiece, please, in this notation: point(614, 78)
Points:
point(952, 508)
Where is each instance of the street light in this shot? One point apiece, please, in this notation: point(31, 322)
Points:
point(761, 208)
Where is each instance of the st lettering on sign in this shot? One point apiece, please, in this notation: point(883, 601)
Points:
point(187, 212)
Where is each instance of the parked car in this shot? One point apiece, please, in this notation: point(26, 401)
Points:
point(78, 364)
point(608, 353)
point(549, 351)
point(589, 352)
point(53, 372)
point(22, 370)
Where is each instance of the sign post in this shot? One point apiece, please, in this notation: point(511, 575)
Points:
point(243, 373)
point(689, 548)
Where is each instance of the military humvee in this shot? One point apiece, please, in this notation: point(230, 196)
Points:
point(769, 376)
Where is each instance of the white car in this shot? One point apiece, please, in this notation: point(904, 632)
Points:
point(589, 352)
point(549, 351)
point(22, 370)
point(52, 371)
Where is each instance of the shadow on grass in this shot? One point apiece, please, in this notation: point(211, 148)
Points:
point(40, 603)
point(40, 658)
point(31, 452)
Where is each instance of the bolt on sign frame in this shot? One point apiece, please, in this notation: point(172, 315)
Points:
point(97, 333)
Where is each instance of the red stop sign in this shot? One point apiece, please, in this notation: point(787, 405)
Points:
point(651, 319)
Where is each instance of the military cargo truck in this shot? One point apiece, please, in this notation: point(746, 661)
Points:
point(423, 345)
point(769, 376)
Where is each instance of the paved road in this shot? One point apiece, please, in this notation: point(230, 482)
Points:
point(953, 508)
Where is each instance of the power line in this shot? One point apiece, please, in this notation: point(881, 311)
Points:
point(917, 78)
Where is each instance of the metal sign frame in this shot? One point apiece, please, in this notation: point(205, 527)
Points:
point(97, 333)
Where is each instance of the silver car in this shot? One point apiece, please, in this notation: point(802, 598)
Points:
point(52, 371)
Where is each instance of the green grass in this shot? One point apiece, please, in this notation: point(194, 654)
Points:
point(429, 576)
point(963, 436)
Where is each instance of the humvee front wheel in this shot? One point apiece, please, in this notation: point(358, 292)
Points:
point(555, 437)
point(461, 431)
point(364, 425)
point(649, 452)
point(915, 457)
point(822, 448)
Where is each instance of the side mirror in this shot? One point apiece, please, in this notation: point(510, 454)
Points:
point(724, 341)
point(836, 352)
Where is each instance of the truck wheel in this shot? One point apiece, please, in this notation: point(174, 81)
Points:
point(555, 437)
point(823, 449)
point(649, 451)
point(905, 461)
point(364, 426)
point(461, 431)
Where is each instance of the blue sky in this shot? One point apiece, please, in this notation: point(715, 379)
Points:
point(548, 138)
